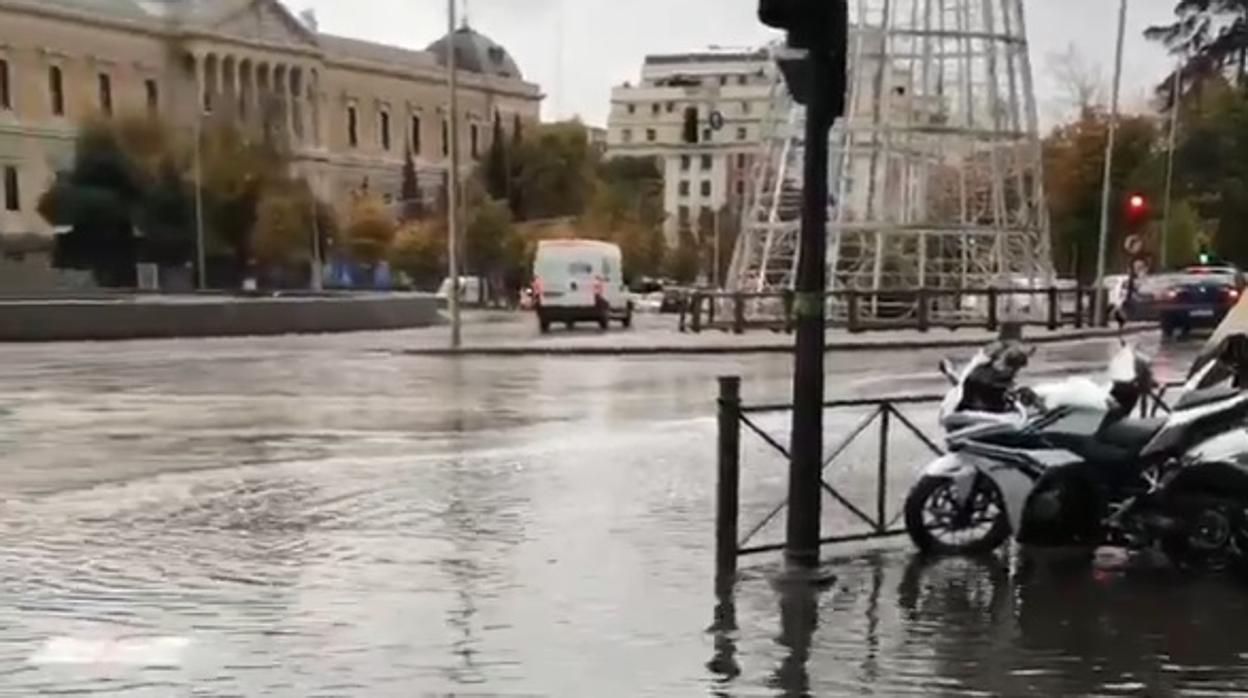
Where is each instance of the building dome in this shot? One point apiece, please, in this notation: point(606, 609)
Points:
point(476, 53)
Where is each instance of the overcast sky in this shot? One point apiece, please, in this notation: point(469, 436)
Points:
point(603, 41)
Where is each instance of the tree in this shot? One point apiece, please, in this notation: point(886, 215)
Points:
point(371, 231)
point(554, 172)
point(683, 264)
point(412, 205)
point(497, 170)
point(1210, 36)
point(627, 208)
point(1210, 173)
point(419, 250)
point(492, 246)
point(236, 173)
point(1080, 81)
point(1074, 163)
point(281, 236)
point(99, 200)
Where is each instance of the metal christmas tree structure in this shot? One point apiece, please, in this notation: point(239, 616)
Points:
point(935, 169)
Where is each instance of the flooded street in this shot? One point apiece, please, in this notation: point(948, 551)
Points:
point(324, 516)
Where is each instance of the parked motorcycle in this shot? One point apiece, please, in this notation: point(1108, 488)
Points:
point(1075, 468)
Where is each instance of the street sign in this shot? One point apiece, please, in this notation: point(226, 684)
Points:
point(1133, 244)
point(717, 120)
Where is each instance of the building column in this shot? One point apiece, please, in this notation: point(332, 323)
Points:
point(197, 61)
point(241, 94)
point(314, 107)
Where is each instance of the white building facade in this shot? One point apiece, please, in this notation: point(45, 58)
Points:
point(700, 115)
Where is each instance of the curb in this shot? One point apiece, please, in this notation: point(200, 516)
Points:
point(835, 347)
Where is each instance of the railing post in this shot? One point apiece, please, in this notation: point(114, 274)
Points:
point(1103, 320)
point(788, 311)
point(684, 313)
point(738, 313)
point(992, 310)
point(696, 301)
point(924, 310)
point(710, 310)
point(728, 493)
point(1055, 309)
point(881, 493)
point(1079, 319)
point(851, 319)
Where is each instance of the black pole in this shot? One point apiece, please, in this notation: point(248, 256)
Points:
point(806, 466)
point(728, 495)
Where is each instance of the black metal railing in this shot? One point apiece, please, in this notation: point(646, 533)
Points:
point(913, 309)
point(736, 418)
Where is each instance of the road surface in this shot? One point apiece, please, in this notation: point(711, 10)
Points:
point(325, 516)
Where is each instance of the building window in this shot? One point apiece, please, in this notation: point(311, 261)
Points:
point(655, 108)
point(685, 162)
point(745, 107)
point(707, 163)
point(353, 127)
point(723, 80)
point(415, 135)
point(682, 217)
point(474, 133)
point(707, 135)
point(671, 107)
point(706, 188)
point(632, 109)
point(56, 88)
point(740, 188)
point(651, 135)
point(742, 79)
point(153, 95)
point(12, 192)
point(627, 135)
point(684, 187)
point(106, 94)
point(741, 161)
point(742, 133)
point(446, 138)
point(384, 126)
point(515, 126)
point(6, 98)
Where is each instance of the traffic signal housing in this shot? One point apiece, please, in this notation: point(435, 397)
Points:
point(811, 25)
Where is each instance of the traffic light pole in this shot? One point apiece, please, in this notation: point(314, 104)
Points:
point(806, 466)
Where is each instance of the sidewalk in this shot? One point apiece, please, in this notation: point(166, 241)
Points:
point(499, 334)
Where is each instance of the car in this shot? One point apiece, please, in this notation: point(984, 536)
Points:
point(580, 281)
point(1196, 298)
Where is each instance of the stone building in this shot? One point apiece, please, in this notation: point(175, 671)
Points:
point(700, 115)
point(347, 109)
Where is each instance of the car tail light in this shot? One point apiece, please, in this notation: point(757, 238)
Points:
point(1170, 294)
point(1232, 293)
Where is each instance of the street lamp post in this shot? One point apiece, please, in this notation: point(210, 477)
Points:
point(1103, 240)
point(1173, 136)
point(452, 180)
point(201, 266)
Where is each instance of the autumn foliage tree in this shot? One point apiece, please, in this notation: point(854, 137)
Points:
point(371, 230)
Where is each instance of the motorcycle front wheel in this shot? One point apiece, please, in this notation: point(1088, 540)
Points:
point(939, 525)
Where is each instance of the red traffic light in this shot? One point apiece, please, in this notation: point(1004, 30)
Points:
point(1137, 203)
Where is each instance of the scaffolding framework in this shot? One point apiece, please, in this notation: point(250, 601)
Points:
point(935, 168)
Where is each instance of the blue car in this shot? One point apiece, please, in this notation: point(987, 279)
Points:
point(1195, 298)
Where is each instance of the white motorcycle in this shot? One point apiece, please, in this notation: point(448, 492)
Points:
point(1075, 468)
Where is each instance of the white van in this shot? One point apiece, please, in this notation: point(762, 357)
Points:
point(580, 281)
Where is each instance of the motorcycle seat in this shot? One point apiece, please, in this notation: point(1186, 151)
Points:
point(1197, 398)
point(1131, 435)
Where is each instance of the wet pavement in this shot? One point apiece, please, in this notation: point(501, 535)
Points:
point(325, 516)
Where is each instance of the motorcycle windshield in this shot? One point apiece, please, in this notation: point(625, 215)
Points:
point(1122, 366)
point(1074, 392)
point(953, 399)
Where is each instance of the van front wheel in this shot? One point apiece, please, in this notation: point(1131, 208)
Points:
point(627, 322)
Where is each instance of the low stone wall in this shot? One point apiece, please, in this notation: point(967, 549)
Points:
point(140, 317)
